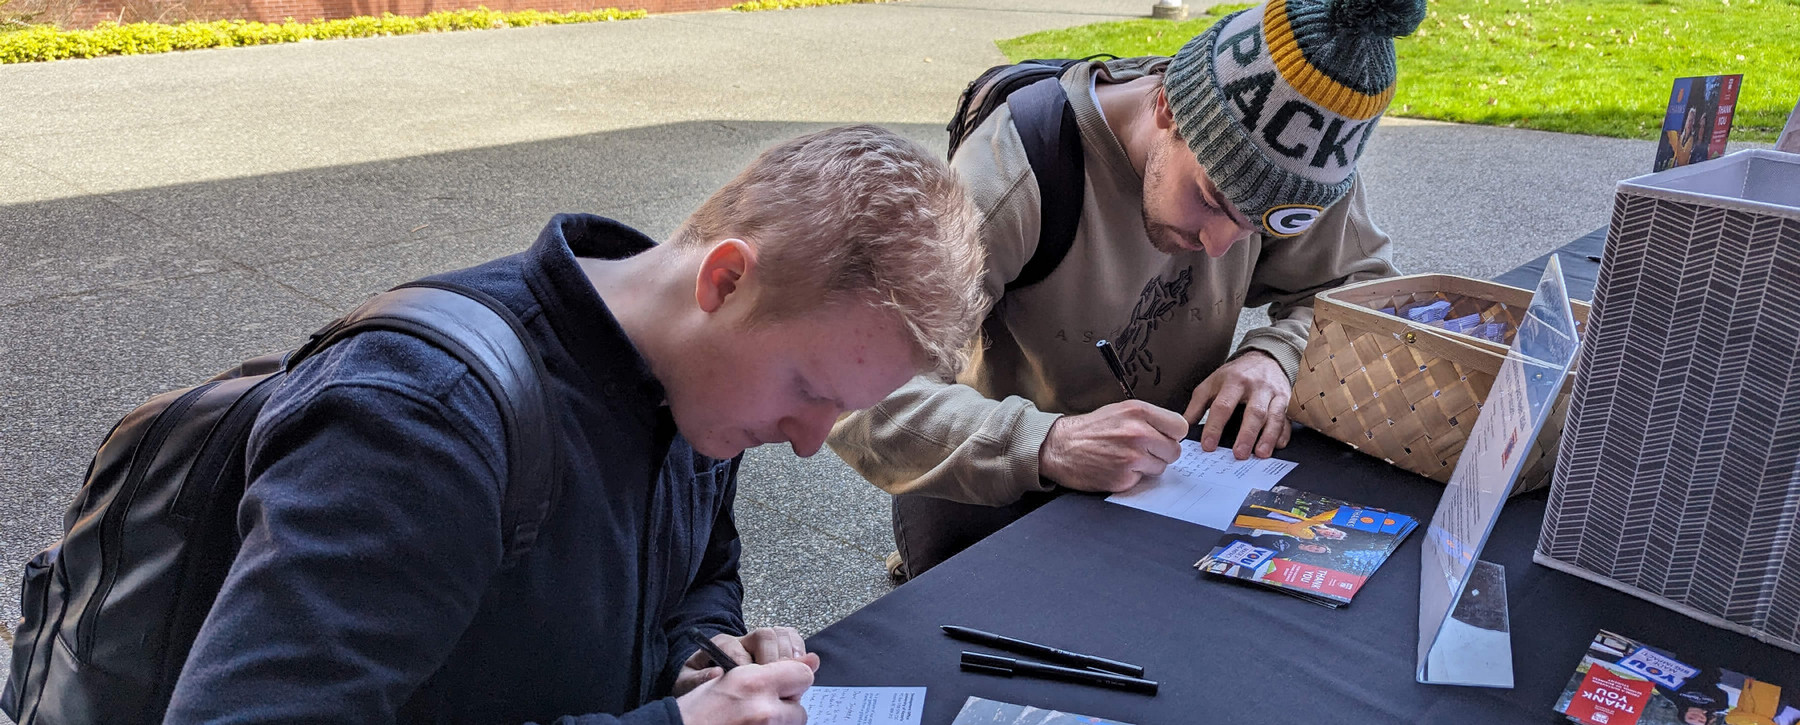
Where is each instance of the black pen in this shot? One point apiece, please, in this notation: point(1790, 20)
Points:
point(1053, 654)
point(718, 656)
point(1008, 667)
point(1118, 368)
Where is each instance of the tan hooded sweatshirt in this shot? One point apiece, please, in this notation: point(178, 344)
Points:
point(1170, 318)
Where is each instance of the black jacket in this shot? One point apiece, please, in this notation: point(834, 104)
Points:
point(369, 586)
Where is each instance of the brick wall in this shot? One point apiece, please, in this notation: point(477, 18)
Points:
point(89, 12)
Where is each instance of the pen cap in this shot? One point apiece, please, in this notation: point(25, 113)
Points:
point(985, 669)
point(984, 659)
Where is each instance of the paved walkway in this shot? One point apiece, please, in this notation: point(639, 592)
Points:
point(162, 217)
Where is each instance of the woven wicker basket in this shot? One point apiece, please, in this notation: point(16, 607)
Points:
point(1407, 392)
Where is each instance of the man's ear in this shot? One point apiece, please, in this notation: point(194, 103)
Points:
point(1160, 111)
point(722, 274)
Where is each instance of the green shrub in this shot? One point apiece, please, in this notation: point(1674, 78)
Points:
point(755, 5)
point(41, 43)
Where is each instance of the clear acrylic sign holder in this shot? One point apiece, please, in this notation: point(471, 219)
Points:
point(1464, 634)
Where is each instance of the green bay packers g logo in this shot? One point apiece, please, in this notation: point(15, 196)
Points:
point(1290, 219)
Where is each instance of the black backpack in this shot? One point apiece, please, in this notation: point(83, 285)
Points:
point(112, 609)
point(1047, 126)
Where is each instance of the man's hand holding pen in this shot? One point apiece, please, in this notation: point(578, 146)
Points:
point(1113, 448)
point(756, 679)
point(764, 645)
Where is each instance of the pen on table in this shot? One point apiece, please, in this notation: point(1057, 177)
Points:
point(1118, 368)
point(718, 656)
point(1053, 654)
point(1009, 667)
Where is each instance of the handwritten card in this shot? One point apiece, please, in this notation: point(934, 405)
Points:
point(1204, 488)
point(863, 705)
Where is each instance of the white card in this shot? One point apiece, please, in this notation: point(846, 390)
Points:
point(864, 705)
point(1204, 488)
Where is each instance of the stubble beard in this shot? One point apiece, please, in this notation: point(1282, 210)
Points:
point(1164, 237)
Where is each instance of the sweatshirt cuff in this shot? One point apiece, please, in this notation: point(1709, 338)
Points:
point(681, 648)
point(671, 710)
point(1027, 442)
point(679, 652)
point(1284, 353)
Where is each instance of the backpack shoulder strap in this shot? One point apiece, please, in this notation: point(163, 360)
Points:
point(1046, 123)
point(994, 85)
point(484, 335)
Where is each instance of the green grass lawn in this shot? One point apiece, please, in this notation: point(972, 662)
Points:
point(1601, 67)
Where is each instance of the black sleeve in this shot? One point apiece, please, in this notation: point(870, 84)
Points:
point(715, 600)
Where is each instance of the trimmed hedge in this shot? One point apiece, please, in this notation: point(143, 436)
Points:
point(755, 5)
point(44, 43)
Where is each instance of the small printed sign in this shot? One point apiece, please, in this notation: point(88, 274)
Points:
point(1698, 122)
point(1605, 698)
point(1659, 668)
point(1244, 555)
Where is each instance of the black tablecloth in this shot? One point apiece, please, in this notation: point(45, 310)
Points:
point(1580, 270)
point(1117, 582)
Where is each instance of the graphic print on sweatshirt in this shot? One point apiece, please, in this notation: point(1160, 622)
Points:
point(1157, 304)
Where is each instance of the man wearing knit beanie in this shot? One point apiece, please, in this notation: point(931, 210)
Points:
point(1219, 179)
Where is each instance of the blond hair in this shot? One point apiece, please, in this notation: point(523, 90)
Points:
point(857, 214)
